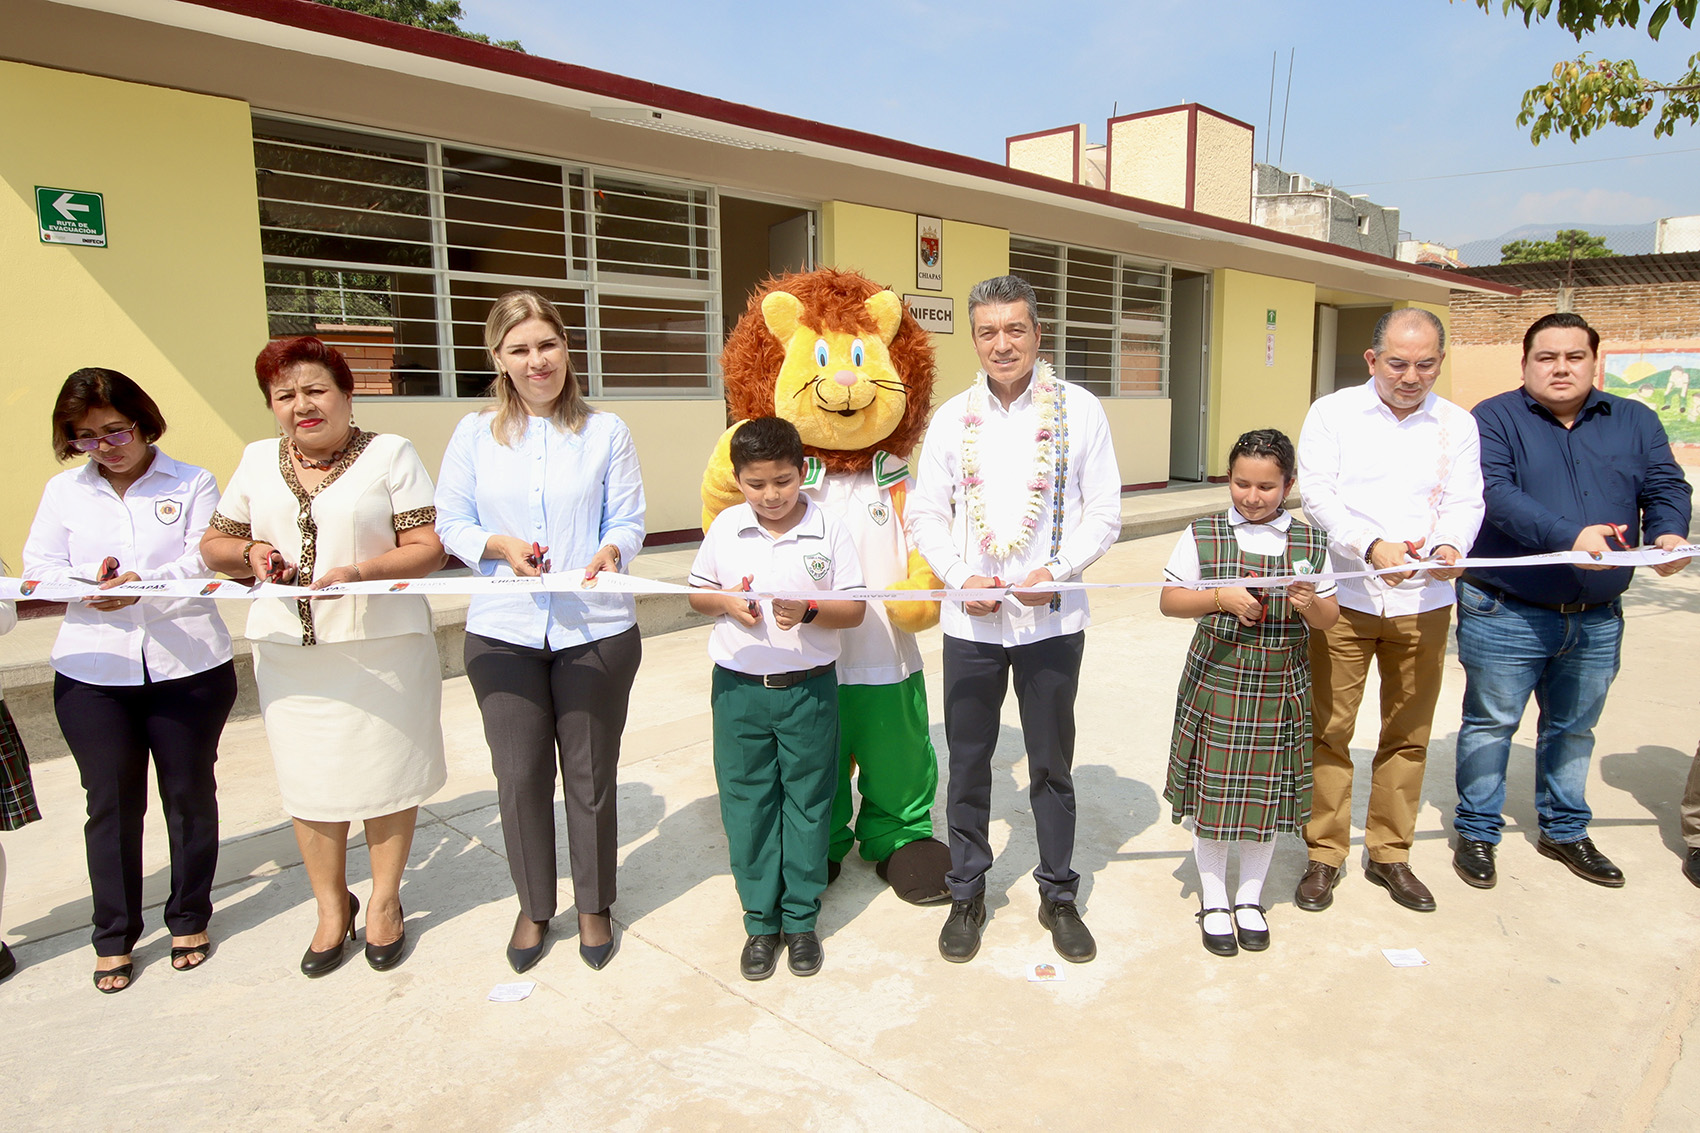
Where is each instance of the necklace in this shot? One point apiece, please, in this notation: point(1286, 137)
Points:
point(326, 465)
point(1052, 415)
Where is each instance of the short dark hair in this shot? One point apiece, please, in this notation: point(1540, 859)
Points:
point(282, 353)
point(94, 387)
point(1568, 320)
point(1270, 443)
point(766, 438)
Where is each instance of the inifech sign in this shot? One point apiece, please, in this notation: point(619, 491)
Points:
point(71, 216)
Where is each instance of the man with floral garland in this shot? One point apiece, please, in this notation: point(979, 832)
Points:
point(1018, 486)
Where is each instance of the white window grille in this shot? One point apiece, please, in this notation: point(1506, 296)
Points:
point(1105, 316)
point(392, 249)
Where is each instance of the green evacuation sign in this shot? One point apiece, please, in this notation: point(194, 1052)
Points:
point(71, 216)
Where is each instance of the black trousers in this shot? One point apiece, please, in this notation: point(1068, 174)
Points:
point(976, 677)
point(541, 707)
point(111, 729)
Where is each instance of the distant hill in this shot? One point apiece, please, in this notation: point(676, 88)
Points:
point(1624, 239)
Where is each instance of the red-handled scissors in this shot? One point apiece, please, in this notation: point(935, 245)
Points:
point(108, 569)
point(748, 581)
point(536, 558)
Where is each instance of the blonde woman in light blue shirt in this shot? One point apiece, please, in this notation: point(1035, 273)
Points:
point(539, 480)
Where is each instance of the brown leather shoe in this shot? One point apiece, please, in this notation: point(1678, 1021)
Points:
point(1316, 888)
point(1401, 884)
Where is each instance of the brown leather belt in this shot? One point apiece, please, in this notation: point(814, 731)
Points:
point(1555, 607)
point(779, 680)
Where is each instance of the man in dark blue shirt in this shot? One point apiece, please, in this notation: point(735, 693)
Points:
point(1564, 467)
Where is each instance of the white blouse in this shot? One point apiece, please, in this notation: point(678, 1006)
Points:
point(154, 529)
point(379, 488)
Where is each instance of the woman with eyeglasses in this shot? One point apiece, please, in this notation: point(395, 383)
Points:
point(135, 679)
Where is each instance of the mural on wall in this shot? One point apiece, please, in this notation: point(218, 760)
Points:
point(1668, 381)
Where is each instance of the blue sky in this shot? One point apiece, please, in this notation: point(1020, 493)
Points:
point(1382, 93)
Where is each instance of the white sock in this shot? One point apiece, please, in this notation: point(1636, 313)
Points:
point(1212, 858)
point(1254, 867)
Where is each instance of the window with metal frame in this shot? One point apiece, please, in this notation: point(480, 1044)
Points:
point(392, 249)
point(1105, 316)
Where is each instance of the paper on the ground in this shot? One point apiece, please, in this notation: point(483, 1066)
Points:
point(1404, 957)
point(1044, 972)
point(511, 993)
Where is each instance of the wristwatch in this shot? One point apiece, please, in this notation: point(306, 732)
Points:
point(1369, 550)
point(809, 614)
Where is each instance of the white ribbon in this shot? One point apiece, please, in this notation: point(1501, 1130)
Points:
point(609, 584)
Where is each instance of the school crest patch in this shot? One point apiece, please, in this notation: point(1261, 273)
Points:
point(817, 566)
point(167, 511)
point(878, 512)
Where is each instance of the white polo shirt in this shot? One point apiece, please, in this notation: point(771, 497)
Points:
point(154, 529)
point(816, 554)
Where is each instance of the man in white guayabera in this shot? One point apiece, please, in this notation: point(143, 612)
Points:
point(1018, 486)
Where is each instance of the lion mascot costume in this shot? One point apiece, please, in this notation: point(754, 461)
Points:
point(842, 360)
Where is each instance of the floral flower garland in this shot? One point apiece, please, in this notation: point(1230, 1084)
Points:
point(1048, 401)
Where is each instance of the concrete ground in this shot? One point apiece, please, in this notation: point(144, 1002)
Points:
point(1546, 1003)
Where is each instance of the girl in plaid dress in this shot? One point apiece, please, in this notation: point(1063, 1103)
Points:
point(1239, 761)
point(17, 793)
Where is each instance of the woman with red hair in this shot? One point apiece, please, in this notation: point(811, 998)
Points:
point(350, 689)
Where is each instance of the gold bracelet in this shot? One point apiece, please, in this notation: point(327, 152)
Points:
point(1216, 593)
point(355, 567)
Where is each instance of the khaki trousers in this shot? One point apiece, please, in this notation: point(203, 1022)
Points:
point(1409, 652)
point(1691, 806)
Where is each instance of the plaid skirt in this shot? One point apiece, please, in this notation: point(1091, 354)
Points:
point(17, 792)
point(1239, 760)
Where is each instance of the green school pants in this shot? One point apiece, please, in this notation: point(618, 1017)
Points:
point(776, 762)
point(883, 728)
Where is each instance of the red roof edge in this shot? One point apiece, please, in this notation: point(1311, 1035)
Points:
point(310, 16)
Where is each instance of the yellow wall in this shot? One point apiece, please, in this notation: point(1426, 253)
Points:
point(1221, 187)
point(1245, 393)
point(176, 301)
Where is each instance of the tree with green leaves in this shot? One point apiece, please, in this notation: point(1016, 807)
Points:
point(1588, 94)
point(1568, 244)
point(432, 15)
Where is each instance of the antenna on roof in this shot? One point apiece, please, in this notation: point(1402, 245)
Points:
point(1286, 105)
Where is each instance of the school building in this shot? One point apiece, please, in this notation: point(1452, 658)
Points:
point(180, 179)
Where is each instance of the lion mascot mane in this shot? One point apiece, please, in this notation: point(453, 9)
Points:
point(841, 359)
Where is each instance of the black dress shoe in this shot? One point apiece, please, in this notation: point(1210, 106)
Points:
point(1401, 884)
point(8, 962)
point(1315, 891)
point(959, 939)
point(1473, 861)
point(596, 956)
point(1690, 869)
point(1582, 859)
point(1069, 934)
point(803, 953)
point(521, 959)
point(833, 869)
point(383, 957)
point(1217, 944)
point(760, 956)
point(316, 964)
point(1252, 939)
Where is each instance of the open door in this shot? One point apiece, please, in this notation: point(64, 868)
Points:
point(759, 239)
point(1189, 373)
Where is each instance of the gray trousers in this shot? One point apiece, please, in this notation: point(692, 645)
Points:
point(540, 706)
point(976, 678)
point(1691, 806)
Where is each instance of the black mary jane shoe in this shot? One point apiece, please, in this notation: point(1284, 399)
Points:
point(316, 964)
point(521, 959)
point(383, 957)
point(1217, 944)
point(1252, 939)
point(596, 956)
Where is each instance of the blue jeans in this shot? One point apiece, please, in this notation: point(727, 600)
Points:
point(1510, 649)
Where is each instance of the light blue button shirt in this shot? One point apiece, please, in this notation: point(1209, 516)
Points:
point(571, 492)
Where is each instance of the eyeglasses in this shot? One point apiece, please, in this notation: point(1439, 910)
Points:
point(1398, 367)
point(113, 440)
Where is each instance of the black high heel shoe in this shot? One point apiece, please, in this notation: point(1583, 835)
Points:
point(521, 959)
point(598, 955)
point(316, 964)
point(383, 957)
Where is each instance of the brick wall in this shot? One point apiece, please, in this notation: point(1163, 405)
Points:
point(1622, 315)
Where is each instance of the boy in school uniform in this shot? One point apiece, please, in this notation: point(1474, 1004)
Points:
point(775, 694)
